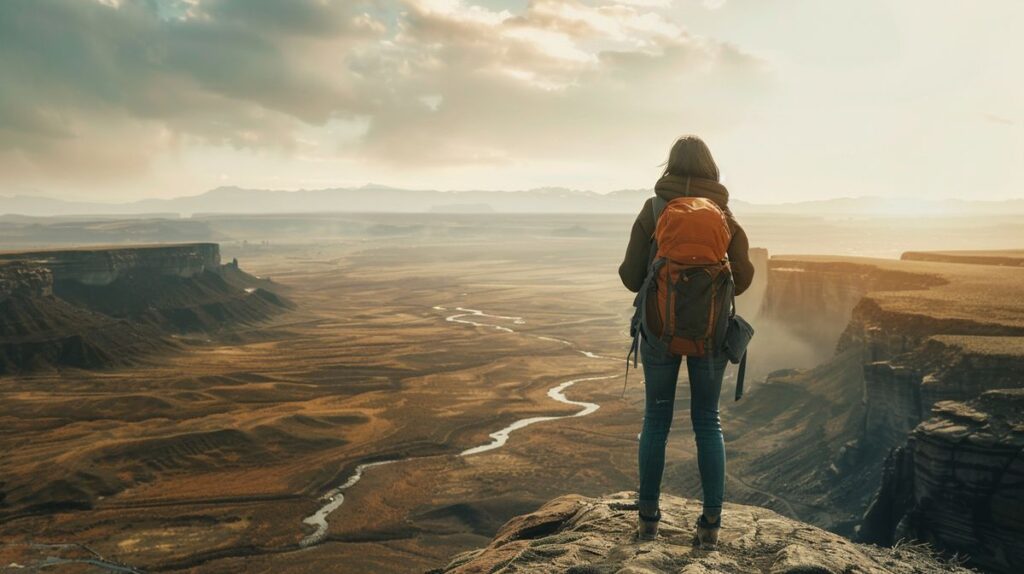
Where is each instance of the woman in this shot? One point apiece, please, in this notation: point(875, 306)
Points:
point(690, 171)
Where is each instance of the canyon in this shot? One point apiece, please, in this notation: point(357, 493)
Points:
point(232, 408)
point(211, 455)
point(927, 341)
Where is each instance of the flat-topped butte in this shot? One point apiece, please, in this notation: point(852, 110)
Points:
point(100, 265)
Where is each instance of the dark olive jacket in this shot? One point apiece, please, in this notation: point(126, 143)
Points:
point(634, 266)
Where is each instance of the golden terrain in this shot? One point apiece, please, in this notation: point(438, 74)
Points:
point(209, 459)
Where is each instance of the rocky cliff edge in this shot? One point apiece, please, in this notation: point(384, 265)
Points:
point(577, 535)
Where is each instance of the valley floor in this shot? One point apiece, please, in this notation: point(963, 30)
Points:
point(208, 459)
point(212, 457)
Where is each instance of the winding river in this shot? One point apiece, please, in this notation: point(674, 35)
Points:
point(334, 498)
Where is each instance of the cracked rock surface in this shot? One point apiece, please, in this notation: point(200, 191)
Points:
point(578, 535)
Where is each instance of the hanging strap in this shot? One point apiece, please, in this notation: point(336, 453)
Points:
point(743, 360)
point(657, 205)
point(739, 376)
point(634, 350)
point(639, 321)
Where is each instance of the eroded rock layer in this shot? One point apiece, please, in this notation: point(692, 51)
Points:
point(99, 307)
point(925, 332)
point(911, 361)
point(815, 299)
point(22, 279)
point(959, 483)
point(39, 329)
point(574, 534)
point(102, 265)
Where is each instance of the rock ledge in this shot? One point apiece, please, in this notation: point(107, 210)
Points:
point(578, 535)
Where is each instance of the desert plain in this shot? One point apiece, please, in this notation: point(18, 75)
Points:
point(368, 428)
point(211, 457)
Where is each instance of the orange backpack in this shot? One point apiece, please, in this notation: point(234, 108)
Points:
point(686, 300)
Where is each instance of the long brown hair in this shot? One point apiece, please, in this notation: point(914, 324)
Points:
point(690, 156)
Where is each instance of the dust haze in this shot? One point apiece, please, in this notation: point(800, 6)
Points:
point(290, 391)
point(332, 286)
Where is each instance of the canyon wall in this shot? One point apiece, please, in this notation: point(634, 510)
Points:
point(916, 371)
point(958, 483)
point(911, 358)
point(960, 367)
point(38, 329)
point(99, 307)
point(912, 361)
point(22, 279)
point(101, 266)
point(806, 423)
point(926, 332)
point(815, 298)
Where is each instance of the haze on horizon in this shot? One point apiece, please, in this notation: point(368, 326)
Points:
point(799, 99)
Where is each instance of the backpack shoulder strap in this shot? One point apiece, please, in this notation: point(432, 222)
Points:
point(658, 205)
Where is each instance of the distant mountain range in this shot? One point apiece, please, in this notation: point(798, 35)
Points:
point(373, 198)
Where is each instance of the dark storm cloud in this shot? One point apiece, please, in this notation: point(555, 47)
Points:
point(304, 17)
point(67, 56)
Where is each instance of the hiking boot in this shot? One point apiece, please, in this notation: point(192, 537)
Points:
point(647, 528)
point(707, 533)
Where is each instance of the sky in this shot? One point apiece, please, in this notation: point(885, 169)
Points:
point(114, 100)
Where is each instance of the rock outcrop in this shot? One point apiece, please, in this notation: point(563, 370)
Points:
point(912, 361)
point(103, 265)
point(39, 329)
point(22, 279)
point(958, 483)
point(925, 332)
point(579, 535)
point(961, 367)
point(98, 307)
point(815, 299)
point(920, 372)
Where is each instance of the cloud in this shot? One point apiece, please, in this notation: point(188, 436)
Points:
point(99, 89)
point(565, 78)
point(997, 119)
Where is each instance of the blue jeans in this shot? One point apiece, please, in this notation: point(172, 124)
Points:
point(661, 370)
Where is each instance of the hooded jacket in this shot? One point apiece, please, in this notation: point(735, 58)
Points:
point(634, 266)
